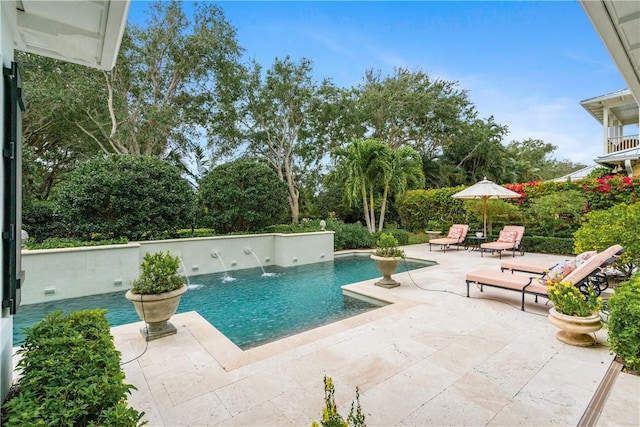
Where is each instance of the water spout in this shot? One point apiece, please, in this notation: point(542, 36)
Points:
point(225, 278)
point(264, 274)
point(184, 269)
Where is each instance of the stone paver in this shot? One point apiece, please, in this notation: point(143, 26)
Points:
point(433, 357)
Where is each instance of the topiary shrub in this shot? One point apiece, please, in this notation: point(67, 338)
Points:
point(126, 196)
point(71, 375)
point(624, 322)
point(243, 195)
point(617, 225)
point(387, 246)
point(402, 236)
point(159, 274)
point(42, 221)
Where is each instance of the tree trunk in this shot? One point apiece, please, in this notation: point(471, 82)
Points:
point(372, 212)
point(383, 207)
point(294, 206)
point(365, 208)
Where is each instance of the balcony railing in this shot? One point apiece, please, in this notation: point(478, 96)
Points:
point(620, 143)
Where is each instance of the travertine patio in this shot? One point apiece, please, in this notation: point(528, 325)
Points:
point(433, 357)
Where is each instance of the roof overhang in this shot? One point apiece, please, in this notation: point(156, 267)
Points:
point(618, 25)
point(83, 32)
point(621, 104)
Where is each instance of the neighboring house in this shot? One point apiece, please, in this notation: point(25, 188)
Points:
point(86, 32)
point(620, 117)
point(617, 22)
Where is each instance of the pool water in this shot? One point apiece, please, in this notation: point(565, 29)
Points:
point(251, 309)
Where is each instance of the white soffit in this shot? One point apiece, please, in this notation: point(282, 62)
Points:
point(83, 32)
point(618, 25)
point(621, 104)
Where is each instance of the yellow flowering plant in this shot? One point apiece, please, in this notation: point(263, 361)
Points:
point(568, 299)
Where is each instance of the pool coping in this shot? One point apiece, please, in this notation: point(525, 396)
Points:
point(230, 356)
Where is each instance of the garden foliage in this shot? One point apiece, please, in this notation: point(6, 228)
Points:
point(42, 220)
point(71, 375)
point(624, 322)
point(126, 196)
point(549, 210)
point(330, 415)
point(243, 195)
point(617, 225)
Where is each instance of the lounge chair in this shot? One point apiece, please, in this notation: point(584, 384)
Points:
point(587, 272)
point(510, 238)
point(544, 267)
point(457, 236)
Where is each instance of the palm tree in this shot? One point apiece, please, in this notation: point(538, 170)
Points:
point(404, 172)
point(363, 165)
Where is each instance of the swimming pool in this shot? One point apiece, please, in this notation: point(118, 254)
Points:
point(251, 309)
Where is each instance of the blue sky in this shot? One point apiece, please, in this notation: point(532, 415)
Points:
point(528, 64)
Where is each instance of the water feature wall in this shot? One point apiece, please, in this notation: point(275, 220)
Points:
point(55, 274)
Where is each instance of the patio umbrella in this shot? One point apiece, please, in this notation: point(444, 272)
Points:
point(484, 190)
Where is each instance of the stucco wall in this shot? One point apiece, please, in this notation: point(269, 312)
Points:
point(56, 274)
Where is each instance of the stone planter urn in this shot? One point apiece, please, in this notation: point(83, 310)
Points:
point(432, 234)
point(575, 330)
point(156, 310)
point(387, 266)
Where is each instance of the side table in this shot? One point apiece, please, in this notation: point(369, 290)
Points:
point(474, 242)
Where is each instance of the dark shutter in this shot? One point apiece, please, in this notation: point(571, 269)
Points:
point(12, 274)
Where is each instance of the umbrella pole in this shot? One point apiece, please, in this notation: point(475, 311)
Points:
point(484, 206)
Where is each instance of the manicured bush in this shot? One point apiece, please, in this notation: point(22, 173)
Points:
point(617, 225)
point(549, 245)
point(71, 375)
point(624, 322)
point(158, 274)
point(350, 236)
point(41, 220)
point(243, 195)
point(126, 196)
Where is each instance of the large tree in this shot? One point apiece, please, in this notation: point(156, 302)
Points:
point(475, 153)
point(158, 98)
point(159, 94)
point(532, 159)
point(273, 118)
point(411, 108)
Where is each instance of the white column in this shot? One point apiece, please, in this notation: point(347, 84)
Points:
point(605, 127)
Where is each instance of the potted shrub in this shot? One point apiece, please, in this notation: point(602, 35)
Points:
point(575, 313)
point(156, 293)
point(387, 256)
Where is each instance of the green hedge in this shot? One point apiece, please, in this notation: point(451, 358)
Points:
point(417, 207)
point(550, 245)
point(624, 322)
point(71, 375)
